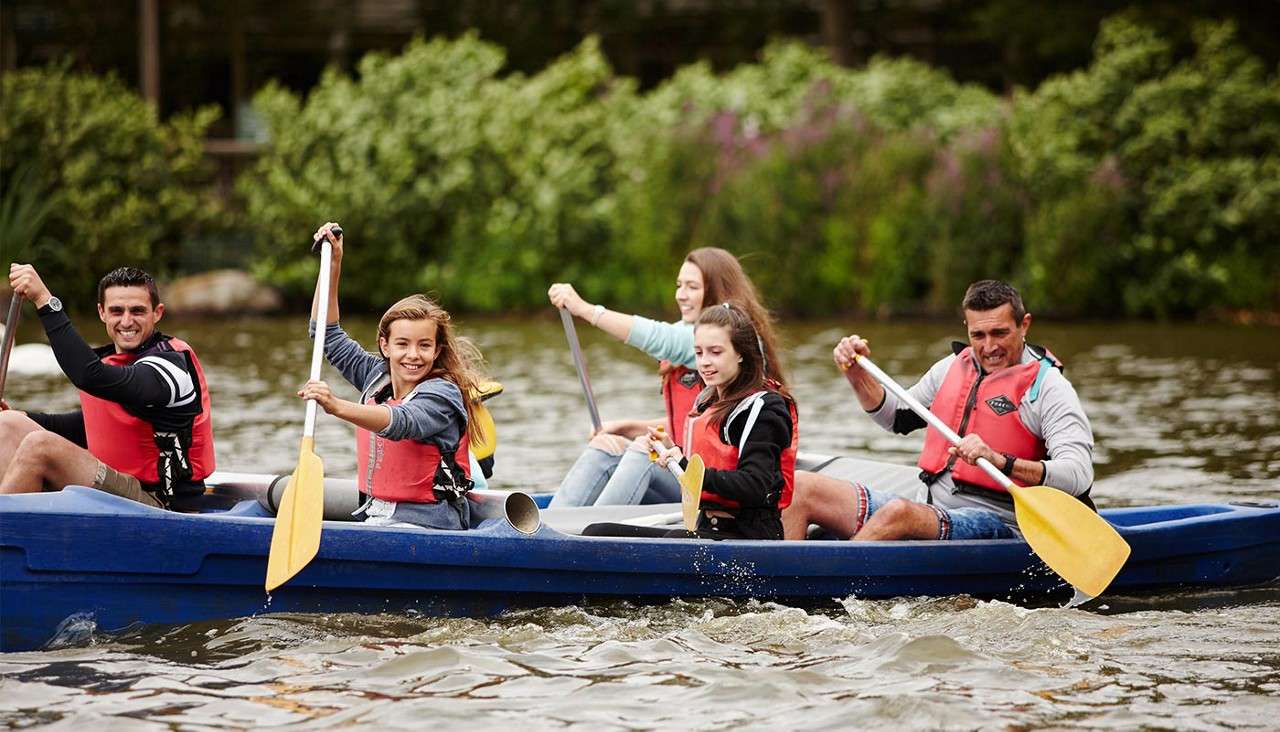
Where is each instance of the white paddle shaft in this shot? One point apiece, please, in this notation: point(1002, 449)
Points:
point(322, 328)
point(929, 417)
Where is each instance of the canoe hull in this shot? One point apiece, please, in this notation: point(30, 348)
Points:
point(100, 560)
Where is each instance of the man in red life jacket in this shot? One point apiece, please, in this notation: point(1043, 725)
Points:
point(143, 429)
point(1009, 402)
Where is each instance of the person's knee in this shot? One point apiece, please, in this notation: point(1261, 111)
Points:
point(14, 425)
point(39, 447)
point(612, 444)
point(896, 512)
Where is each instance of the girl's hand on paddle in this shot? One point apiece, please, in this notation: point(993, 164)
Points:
point(972, 447)
point(562, 295)
point(335, 242)
point(319, 391)
point(659, 438)
point(846, 351)
point(666, 455)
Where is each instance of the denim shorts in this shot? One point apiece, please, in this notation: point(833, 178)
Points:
point(440, 515)
point(953, 523)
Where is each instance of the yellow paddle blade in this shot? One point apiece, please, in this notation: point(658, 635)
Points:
point(296, 536)
point(486, 390)
point(691, 492)
point(484, 446)
point(1068, 536)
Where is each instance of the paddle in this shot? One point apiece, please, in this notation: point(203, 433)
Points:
point(487, 443)
point(1067, 535)
point(10, 332)
point(296, 536)
point(571, 334)
point(690, 480)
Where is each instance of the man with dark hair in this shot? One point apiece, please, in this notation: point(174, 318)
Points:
point(1009, 402)
point(129, 277)
point(143, 429)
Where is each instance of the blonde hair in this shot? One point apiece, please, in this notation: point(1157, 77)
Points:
point(457, 359)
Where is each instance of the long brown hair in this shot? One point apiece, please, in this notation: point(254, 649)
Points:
point(457, 358)
point(724, 281)
point(752, 343)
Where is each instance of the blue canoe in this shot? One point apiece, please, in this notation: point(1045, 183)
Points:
point(81, 554)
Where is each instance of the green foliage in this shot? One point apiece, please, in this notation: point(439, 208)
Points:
point(449, 177)
point(92, 177)
point(1145, 184)
point(1186, 153)
point(791, 77)
point(25, 206)
point(813, 174)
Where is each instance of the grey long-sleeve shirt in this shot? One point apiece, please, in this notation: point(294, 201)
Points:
point(1056, 416)
point(433, 412)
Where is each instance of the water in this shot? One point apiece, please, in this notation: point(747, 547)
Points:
point(1183, 413)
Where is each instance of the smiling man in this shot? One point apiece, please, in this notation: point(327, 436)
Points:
point(1007, 399)
point(143, 429)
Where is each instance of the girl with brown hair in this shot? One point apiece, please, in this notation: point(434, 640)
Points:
point(744, 426)
point(615, 469)
point(413, 424)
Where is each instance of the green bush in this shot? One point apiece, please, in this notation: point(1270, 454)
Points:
point(484, 188)
point(449, 177)
point(1158, 176)
point(812, 173)
point(116, 185)
point(1146, 184)
point(976, 207)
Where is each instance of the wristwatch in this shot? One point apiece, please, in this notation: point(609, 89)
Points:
point(1008, 464)
point(54, 305)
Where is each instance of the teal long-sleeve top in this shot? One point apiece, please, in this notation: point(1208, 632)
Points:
point(663, 341)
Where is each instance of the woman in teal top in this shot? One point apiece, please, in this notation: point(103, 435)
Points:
point(615, 469)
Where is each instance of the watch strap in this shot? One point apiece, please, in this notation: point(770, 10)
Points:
point(1008, 464)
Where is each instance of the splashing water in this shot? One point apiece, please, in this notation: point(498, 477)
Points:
point(1078, 599)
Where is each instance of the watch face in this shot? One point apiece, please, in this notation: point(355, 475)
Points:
point(54, 304)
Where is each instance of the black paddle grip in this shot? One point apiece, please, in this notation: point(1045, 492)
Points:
point(315, 243)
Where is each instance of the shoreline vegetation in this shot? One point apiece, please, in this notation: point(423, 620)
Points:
point(1145, 185)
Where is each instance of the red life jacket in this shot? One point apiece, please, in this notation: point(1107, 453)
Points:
point(717, 452)
point(408, 470)
point(131, 444)
point(973, 402)
point(680, 389)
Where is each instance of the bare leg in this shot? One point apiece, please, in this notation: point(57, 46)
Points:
point(900, 519)
point(13, 427)
point(44, 459)
point(822, 500)
point(609, 442)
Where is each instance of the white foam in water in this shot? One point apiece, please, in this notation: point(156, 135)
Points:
point(74, 630)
